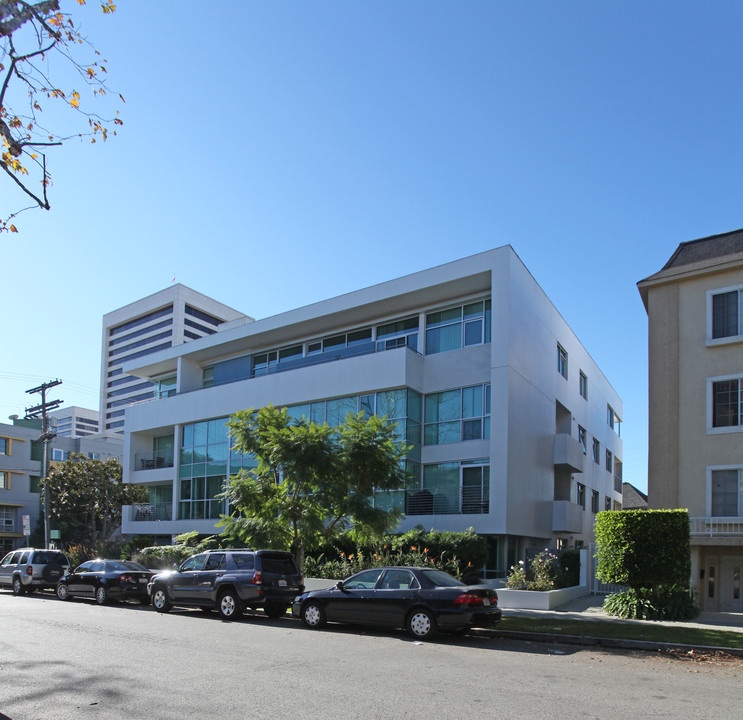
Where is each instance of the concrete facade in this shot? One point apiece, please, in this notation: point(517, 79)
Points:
point(519, 468)
point(695, 459)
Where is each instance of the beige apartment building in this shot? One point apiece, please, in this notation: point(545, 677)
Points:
point(695, 460)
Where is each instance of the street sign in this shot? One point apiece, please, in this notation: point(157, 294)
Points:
point(26, 519)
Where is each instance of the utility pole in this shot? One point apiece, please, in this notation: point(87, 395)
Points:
point(46, 437)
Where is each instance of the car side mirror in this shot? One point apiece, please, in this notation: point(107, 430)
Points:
point(339, 585)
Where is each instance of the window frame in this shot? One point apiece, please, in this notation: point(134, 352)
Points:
point(724, 339)
point(713, 429)
point(724, 468)
point(562, 361)
point(583, 384)
point(580, 495)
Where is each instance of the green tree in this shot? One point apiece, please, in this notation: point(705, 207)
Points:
point(85, 498)
point(312, 482)
point(45, 62)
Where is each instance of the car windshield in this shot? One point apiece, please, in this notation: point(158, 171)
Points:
point(439, 578)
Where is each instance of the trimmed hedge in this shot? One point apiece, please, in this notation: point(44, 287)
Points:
point(643, 548)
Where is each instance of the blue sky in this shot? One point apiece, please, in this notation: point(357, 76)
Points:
point(276, 154)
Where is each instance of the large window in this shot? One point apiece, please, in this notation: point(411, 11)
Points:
point(203, 469)
point(457, 415)
point(397, 334)
point(726, 403)
point(451, 488)
point(726, 314)
point(458, 327)
point(727, 493)
point(7, 519)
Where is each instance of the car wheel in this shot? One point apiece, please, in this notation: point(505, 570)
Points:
point(101, 595)
point(275, 610)
point(229, 605)
point(17, 586)
point(63, 592)
point(421, 624)
point(313, 616)
point(160, 600)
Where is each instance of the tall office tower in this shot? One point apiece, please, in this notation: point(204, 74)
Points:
point(163, 320)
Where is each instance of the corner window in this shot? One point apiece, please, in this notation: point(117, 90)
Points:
point(458, 327)
point(583, 385)
point(562, 361)
point(457, 415)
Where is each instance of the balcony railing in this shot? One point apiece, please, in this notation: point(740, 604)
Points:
point(716, 526)
point(153, 460)
point(461, 501)
point(617, 483)
point(148, 512)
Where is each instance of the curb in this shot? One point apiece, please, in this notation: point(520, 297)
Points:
point(615, 643)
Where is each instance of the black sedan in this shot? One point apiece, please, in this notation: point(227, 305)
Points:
point(106, 580)
point(422, 600)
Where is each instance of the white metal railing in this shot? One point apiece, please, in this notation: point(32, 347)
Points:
point(716, 526)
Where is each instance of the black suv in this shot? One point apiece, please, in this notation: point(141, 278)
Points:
point(230, 581)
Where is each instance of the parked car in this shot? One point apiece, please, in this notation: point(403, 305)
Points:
point(230, 581)
point(106, 580)
point(422, 600)
point(28, 569)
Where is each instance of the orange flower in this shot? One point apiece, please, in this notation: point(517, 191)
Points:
point(343, 554)
point(469, 564)
point(425, 550)
point(412, 547)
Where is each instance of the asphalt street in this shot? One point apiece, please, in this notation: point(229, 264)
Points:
point(65, 660)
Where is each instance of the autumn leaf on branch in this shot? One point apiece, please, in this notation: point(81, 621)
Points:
point(45, 62)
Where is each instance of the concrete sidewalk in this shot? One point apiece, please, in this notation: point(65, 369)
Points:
point(590, 607)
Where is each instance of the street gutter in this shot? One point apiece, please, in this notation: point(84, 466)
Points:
point(615, 643)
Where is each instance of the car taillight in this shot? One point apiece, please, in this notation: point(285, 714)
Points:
point(256, 578)
point(468, 599)
point(125, 578)
point(29, 570)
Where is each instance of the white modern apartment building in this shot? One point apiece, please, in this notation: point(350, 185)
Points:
point(163, 320)
point(695, 460)
point(514, 428)
point(74, 421)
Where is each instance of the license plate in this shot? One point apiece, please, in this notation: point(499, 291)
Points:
point(486, 601)
point(282, 583)
point(143, 581)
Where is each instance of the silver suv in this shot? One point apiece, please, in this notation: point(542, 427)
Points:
point(26, 569)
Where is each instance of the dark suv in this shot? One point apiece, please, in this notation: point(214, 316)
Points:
point(230, 581)
point(28, 569)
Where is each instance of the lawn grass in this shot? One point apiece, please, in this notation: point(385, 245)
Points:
point(648, 631)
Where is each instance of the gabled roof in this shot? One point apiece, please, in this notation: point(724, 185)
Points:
point(713, 253)
point(632, 498)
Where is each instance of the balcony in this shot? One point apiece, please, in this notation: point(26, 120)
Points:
point(443, 500)
point(716, 527)
point(153, 460)
point(569, 453)
point(149, 512)
point(567, 517)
